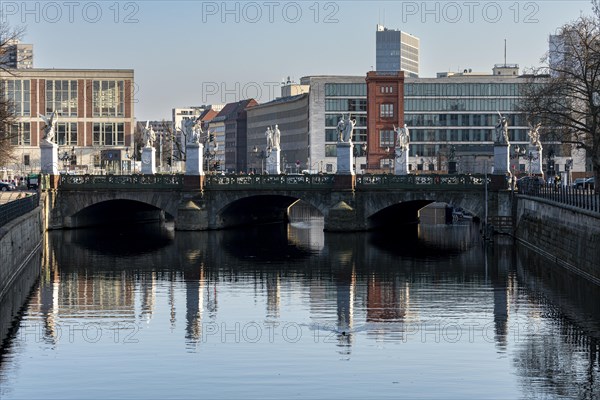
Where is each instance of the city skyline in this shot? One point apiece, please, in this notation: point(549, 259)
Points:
point(191, 52)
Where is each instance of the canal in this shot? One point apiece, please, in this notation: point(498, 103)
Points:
point(287, 311)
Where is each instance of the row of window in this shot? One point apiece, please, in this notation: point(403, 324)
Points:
point(462, 89)
point(104, 133)
point(346, 89)
point(347, 105)
point(108, 97)
point(467, 120)
point(331, 150)
point(461, 104)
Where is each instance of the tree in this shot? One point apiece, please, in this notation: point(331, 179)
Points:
point(564, 94)
point(8, 36)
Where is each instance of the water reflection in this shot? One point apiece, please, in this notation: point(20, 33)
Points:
point(400, 303)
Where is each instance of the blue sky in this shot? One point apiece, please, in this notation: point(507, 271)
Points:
point(194, 52)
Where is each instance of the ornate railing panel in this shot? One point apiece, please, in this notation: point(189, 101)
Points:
point(440, 182)
point(281, 182)
point(91, 182)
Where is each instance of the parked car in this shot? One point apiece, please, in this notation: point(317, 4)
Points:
point(590, 183)
point(579, 183)
point(4, 186)
point(530, 182)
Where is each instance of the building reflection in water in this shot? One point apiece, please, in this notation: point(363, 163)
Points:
point(376, 282)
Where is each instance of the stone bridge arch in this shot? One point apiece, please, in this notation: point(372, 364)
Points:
point(234, 208)
point(402, 207)
point(70, 208)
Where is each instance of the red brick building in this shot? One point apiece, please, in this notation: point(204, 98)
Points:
point(385, 109)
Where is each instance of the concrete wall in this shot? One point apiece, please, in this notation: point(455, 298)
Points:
point(20, 264)
point(568, 235)
point(18, 239)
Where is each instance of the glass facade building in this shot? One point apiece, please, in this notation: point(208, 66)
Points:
point(396, 51)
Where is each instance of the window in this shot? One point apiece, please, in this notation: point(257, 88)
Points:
point(108, 98)
point(66, 133)
point(386, 110)
point(20, 134)
point(330, 150)
point(385, 163)
point(386, 138)
point(17, 92)
point(108, 134)
point(26, 160)
point(385, 89)
point(331, 135)
point(61, 96)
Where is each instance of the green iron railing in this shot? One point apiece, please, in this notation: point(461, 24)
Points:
point(442, 182)
point(91, 182)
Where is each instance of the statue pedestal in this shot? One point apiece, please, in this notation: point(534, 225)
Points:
point(148, 160)
point(273, 162)
point(49, 157)
point(401, 165)
point(501, 159)
point(536, 160)
point(345, 154)
point(194, 159)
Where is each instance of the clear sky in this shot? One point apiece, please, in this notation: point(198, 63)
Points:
point(195, 52)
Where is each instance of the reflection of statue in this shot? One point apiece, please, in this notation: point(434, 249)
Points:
point(276, 138)
point(534, 135)
point(502, 130)
point(149, 135)
point(402, 138)
point(49, 129)
point(190, 130)
point(269, 136)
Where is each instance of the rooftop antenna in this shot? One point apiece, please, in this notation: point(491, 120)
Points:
point(505, 52)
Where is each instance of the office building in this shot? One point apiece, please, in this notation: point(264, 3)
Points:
point(95, 116)
point(396, 51)
point(290, 113)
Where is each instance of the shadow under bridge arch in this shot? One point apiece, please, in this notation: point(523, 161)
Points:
point(406, 212)
point(118, 211)
point(257, 209)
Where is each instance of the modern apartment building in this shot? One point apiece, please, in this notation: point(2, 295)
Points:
point(95, 116)
point(17, 55)
point(396, 51)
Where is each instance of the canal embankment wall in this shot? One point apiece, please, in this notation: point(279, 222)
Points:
point(20, 263)
point(568, 235)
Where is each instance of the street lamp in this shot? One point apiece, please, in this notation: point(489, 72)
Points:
point(67, 157)
point(358, 153)
point(528, 155)
point(262, 156)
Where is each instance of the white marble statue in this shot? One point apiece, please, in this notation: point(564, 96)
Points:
point(269, 136)
point(345, 128)
point(341, 127)
point(149, 135)
point(276, 138)
point(534, 135)
point(402, 138)
point(190, 131)
point(50, 128)
point(502, 130)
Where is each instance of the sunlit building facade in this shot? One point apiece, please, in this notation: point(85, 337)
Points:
point(95, 117)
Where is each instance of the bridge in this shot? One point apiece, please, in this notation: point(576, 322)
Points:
point(347, 203)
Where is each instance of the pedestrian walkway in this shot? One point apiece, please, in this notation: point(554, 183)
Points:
point(6, 197)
